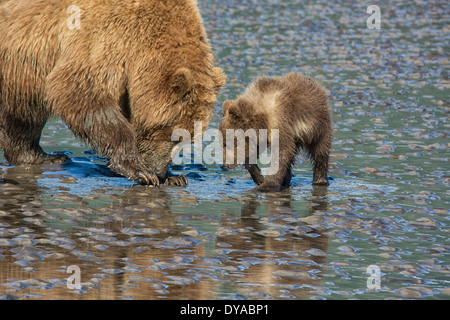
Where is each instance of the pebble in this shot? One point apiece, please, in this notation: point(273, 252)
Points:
point(177, 241)
point(446, 291)
point(425, 223)
point(301, 275)
point(347, 250)
point(388, 255)
point(272, 233)
point(316, 252)
point(7, 242)
point(181, 280)
point(414, 292)
point(30, 284)
point(112, 270)
point(140, 231)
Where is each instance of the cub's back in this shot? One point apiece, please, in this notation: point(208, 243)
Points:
point(291, 100)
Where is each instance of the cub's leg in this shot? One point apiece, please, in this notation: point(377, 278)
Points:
point(287, 178)
point(287, 153)
point(255, 172)
point(258, 178)
point(319, 153)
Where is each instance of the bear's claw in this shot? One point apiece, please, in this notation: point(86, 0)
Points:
point(176, 181)
point(147, 179)
point(55, 158)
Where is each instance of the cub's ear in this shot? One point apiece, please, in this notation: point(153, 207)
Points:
point(230, 108)
point(225, 106)
point(181, 82)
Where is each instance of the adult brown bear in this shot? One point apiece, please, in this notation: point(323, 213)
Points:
point(122, 75)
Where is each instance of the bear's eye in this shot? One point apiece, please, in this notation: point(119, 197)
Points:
point(186, 95)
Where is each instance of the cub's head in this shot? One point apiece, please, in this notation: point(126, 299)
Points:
point(239, 132)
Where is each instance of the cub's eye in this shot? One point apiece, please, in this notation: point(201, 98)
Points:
point(186, 96)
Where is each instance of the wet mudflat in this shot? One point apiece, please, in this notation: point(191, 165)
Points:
point(387, 205)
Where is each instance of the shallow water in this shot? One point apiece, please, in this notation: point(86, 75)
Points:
point(387, 205)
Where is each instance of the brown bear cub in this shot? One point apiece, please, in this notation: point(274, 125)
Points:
point(298, 108)
point(122, 75)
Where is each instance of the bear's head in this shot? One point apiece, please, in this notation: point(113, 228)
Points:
point(239, 132)
point(184, 96)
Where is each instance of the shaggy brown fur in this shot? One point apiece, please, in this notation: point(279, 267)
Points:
point(134, 72)
point(298, 108)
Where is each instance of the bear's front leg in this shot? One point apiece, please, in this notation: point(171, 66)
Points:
point(158, 156)
point(134, 172)
point(112, 135)
point(95, 116)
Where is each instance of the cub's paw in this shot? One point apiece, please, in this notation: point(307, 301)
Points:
point(176, 181)
point(266, 187)
point(51, 158)
point(322, 182)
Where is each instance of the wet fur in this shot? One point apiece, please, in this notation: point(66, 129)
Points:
point(298, 108)
point(133, 73)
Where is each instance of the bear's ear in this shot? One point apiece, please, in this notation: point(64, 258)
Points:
point(181, 82)
point(230, 108)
